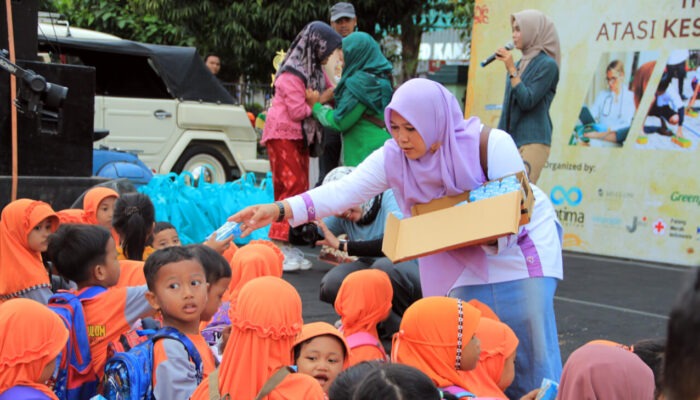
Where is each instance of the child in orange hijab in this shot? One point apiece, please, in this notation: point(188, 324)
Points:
point(258, 258)
point(265, 323)
point(363, 301)
point(496, 368)
point(31, 336)
point(25, 226)
point(322, 352)
point(437, 336)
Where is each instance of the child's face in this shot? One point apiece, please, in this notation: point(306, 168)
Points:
point(508, 373)
point(38, 238)
point(166, 238)
point(216, 290)
point(112, 271)
point(470, 354)
point(322, 358)
point(180, 293)
point(105, 211)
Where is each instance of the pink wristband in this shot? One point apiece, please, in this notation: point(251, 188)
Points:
point(310, 209)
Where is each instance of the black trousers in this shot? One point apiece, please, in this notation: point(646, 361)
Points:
point(330, 158)
point(405, 281)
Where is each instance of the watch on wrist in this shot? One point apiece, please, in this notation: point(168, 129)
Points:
point(514, 74)
point(343, 245)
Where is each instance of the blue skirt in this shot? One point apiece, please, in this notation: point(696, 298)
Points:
point(527, 306)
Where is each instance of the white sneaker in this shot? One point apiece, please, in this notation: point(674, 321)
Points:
point(290, 265)
point(305, 264)
point(292, 258)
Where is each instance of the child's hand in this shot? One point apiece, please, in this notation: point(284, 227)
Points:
point(330, 239)
point(326, 96)
point(219, 245)
point(312, 97)
point(254, 217)
point(225, 334)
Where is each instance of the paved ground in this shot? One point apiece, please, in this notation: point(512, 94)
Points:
point(614, 299)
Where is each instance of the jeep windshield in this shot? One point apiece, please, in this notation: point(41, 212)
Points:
point(131, 69)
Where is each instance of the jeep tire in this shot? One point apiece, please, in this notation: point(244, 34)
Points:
point(200, 155)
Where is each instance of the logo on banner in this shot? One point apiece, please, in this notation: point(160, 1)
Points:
point(572, 196)
point(659, 227)
point(636, 222)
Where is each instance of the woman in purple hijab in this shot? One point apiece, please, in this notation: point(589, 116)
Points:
point(434, 152)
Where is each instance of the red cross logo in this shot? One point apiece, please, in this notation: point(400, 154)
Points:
point(659, 227)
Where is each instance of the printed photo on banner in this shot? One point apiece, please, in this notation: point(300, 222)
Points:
point(671, 122)
point(609, 107)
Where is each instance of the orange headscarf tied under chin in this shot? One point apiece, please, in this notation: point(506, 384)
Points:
point(20, 267)
point(364, 300)
point(258, 258)
point(498, 342)
point(92, 201)
point(264, 326)
point(315, 329)
point(428, 337)
point(31, 336)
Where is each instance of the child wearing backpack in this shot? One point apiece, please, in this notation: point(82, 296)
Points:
point(31, 336)
point(257, 258)
point(321, 351)
point(177, 287)
point(265, 323)
point(24, 228)
point(437, 336)
point(218, 274)
point(87, 255)
point(363, 301)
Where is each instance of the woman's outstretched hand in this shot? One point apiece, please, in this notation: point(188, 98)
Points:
point(255, 217)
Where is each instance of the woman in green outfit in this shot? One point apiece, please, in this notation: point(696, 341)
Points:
point(365, 88)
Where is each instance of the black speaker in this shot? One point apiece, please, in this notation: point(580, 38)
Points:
point(46, 146)
point(25, 21)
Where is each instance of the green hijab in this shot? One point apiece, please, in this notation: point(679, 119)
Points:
point(366, 76)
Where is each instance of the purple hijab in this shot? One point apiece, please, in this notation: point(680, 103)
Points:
point(452, 169)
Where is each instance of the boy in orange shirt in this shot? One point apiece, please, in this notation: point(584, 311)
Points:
point(87, 255)
point(177, 287)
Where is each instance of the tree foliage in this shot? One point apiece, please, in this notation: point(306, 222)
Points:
point(246, 34)
point(124, 18)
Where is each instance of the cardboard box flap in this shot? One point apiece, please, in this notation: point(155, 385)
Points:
point(453, 227)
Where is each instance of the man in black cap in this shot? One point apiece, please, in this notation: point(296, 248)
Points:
point(343, 18)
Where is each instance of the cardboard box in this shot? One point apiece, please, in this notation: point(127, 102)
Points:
point(440, 225)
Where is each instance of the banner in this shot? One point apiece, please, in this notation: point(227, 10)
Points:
point(624, 169)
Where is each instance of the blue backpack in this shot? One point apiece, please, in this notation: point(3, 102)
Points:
point(129, 375)
point(76, 378)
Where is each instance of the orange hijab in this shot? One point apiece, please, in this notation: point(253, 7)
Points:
point(363, 301)
point(498, 342)
point(20, 267)
point(428, 337)
point(71, 216)
point(263, 329)
point(31, 336)
point(91, 202)
point(315, 329)
point(258, 258)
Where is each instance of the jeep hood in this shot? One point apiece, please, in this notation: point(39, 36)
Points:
point(153, 71)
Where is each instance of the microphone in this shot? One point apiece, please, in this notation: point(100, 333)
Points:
point(508, 46)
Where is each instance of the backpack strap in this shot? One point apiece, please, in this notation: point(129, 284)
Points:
point(168, 332)
point(374, 120)
point(359, 339)
point(214, 385)
point(484, 149)
point(457, 391)
point(274, 380)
